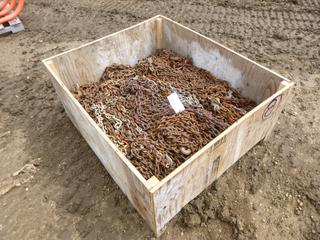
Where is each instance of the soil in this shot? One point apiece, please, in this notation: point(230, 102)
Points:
point(52, 185)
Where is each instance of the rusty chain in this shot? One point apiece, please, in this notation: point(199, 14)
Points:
point(130, 105)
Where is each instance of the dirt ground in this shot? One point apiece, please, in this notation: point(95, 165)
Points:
point(63, 192)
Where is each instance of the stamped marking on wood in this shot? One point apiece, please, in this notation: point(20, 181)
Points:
point(272, 106)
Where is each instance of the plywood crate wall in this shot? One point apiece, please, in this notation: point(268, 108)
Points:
point(159, 201)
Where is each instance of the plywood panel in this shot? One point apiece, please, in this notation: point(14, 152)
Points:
point(87, 63)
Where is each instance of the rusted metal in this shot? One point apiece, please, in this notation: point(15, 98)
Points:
point(130, 105)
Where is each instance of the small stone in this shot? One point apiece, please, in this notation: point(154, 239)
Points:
point(74, 206)
point(209, 194)
point(254, 207)
point(45, 198)
point(36, 162)
point(240, 225)
point(193, 220)
point(211, 214)
point(297, 212)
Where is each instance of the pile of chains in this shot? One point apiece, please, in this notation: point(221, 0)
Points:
point(130, 105)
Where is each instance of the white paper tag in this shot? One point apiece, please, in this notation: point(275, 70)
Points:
point(175, 102)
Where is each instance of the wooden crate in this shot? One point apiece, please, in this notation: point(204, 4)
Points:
point(159, 201)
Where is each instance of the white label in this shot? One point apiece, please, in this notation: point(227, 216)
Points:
point(175, 102)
